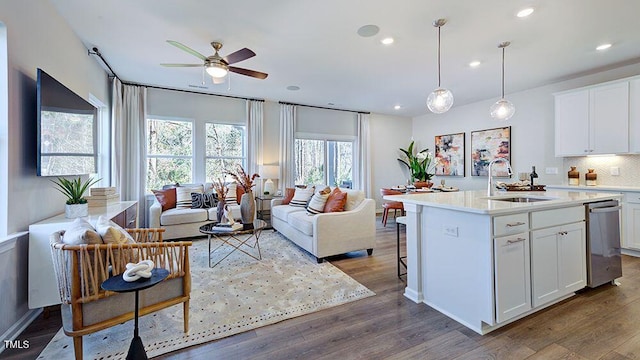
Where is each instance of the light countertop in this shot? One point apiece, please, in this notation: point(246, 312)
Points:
point(595, 188)
point(476, 201)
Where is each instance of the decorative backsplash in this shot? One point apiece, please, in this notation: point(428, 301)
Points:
point(629, 166)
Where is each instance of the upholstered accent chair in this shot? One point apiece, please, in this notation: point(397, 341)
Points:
point(81, 269)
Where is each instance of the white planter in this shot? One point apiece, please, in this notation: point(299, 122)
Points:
point(76, 210)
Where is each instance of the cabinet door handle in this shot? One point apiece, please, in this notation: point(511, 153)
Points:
point(515, 224)
point(562, 233)
point(509, 242)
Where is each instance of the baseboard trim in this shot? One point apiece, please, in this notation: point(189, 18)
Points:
point(16, 329)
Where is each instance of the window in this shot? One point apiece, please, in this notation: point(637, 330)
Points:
point(169, 152)
point(324, 162)
point(226, 147)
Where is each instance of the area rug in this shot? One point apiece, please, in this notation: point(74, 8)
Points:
point(238, 295)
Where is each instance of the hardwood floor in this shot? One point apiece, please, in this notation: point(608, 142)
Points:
point(602, 323)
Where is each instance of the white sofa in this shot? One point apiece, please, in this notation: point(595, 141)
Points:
point(328, 234)
point(184, 223)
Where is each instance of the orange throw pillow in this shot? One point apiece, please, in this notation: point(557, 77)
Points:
point(288, 195)
point(336, 201)
point(166, 198)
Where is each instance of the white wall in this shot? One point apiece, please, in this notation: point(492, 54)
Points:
point(36, 37)
point(532, 128)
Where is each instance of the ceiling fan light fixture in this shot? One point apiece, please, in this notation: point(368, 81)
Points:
point(503, 109)
point(440, 100)
point(217, 70)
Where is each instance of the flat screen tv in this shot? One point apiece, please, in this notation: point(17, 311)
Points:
point(67, 130)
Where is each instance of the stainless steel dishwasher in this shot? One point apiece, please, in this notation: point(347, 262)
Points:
point(604, 263)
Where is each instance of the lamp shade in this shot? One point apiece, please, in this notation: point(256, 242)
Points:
point(270, 171)
point(216, 71)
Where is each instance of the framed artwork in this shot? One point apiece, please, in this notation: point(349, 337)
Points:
point(487, 145)
point(449, 158)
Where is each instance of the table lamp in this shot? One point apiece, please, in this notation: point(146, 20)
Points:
point(269, 172)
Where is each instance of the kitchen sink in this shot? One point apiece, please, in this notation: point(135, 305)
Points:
point(521, 199)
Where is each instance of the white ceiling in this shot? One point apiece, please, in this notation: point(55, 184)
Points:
point(314, 45)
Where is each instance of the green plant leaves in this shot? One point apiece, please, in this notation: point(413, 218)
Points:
point(74, 189)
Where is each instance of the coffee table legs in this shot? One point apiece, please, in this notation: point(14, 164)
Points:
point(136, 349)
point(226, 239)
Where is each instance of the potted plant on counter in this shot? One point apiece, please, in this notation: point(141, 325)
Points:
point(76, 205)
point(420, 165)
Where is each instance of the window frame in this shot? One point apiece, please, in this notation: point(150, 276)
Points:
point(326, 138)
point(148, 156)
point(245, 156)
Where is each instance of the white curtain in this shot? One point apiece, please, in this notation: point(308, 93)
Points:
point(129, 143)
point(255, 119)
point(287, 139)
point(363, 155)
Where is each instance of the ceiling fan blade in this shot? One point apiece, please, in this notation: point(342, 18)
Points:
point(187, 49)
point(242, 54)
point(247, 72)
point(182, 65)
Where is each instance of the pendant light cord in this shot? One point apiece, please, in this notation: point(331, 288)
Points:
point(503, 72)
point(439, 56)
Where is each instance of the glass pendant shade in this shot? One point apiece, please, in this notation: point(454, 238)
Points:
point(216, 71)
point(502, 110)
point(440, 101)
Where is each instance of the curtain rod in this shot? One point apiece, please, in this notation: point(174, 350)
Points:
point(322, 107)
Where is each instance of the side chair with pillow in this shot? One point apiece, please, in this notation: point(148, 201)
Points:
point(82, 264)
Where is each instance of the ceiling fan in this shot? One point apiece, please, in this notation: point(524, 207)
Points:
point(218, 66)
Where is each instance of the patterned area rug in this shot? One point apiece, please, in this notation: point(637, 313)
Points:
point(237, 295)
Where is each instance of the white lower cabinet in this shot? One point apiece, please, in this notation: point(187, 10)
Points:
point(631, 221)
point(513, 284)
point(558, 261)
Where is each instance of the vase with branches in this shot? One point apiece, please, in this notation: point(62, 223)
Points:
point(221, 190)
point(247, 201)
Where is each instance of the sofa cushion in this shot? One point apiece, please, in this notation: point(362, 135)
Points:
point(354, 198)
point(182, 216)
point(183, 195)
point(166, 198)
point(282, 211)
point(288, 195)
point(301, 222)
point(318, 200)
point(336, 201)
point(81, 232)
point(301, 197)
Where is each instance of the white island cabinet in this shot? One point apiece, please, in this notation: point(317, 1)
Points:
point(486, 262)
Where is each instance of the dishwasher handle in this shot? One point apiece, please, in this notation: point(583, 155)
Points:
point(605, 209)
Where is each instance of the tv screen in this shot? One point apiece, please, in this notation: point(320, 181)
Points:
point(67, 128)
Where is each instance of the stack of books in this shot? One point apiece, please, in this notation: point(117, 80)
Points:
point(102, 196)
point(228, 227)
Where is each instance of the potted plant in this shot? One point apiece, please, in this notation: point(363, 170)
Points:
point(221, 193)
point(76, 205)
point(247, 201)
point(419, 165)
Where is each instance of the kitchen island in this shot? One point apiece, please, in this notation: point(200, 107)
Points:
point(486, 261)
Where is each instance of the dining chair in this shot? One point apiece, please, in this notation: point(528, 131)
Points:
point(390, 205)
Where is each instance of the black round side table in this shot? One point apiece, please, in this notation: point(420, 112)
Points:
point(117, 284)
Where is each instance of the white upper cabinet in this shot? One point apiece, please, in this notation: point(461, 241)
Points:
point(592, 121)
point(634, 116)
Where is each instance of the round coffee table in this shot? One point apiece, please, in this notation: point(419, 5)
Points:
point(240, 239)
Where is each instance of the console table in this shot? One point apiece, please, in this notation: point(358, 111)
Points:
point(43, 287)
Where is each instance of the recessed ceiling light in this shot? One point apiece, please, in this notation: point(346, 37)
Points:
point(474, 63)
point(524, 12)
point(397, 107)
point(293, 88)
point(603, 47)
point(368, 30)
point(387, 41)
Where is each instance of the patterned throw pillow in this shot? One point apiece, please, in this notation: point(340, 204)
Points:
point(203, 201)
point(166, 198)
point(232, 194)
point(317, 202)
point(336, 201)
point(301, 197)
point(183, 196)
point(112, 233)
point(288, 195)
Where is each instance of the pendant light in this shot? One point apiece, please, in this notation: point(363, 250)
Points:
point(440, 100)
point(503, 109)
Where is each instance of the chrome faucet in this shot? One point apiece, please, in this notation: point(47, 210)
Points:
point(490, 179)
